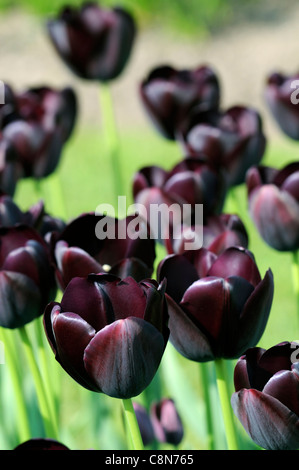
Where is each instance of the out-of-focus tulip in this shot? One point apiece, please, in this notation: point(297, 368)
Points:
point(281, 96)
point(273, 198)
point(218, 233)
point(109, 333)
point(218, 305)
point(78, 250)
point(41, 444)
point(35, 216)
point(166, 422)
point(266, 399)
point(27, 281)
point(95, 43)
point(233, 139)
point(144, 423)
point(36, 127)
point(168, 95)
point(189, 183)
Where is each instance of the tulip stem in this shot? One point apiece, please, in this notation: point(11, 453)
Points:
point(39, 385)
point(12, 362)
point(132, 424)
point(112, 140)
point(205, 381)
point(227, 412)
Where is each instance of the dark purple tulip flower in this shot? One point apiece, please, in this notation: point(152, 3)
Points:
point(95, 43)
point(219, 232)
point(78, 251)
point(233, 139)
point(266, 399)
point(168, 95)
point(41, 444)
point(281, 95)
point(36, 128)
point(144, 423)
point(166, 422)
point(108, 333)
point(273, 199)
point(36, 216)
point(27, 280)
point(218, 305)
point(189, 183)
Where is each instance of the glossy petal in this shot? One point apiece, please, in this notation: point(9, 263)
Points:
point(123, 357)
point(236, 262)
point(188, 340)
point(169, 267)
point(20, 300)
point(72, 335)
point(284, 385)
point(268, 422)
point(74, 262)
point(276, 216)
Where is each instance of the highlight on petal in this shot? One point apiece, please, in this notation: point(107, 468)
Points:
point(123, 357)
point(269, 423)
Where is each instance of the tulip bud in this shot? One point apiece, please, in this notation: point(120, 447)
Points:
point(274, 205)
point(109, 334)
point(166, 422)
point(281, 95)
point(266, 400)
point(168, 95)
point(95, 43)
point(233, 139)
point(144, 423)
point(26, 278)
point(35, 128)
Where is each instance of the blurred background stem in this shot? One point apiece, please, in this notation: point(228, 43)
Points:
point(224, 396)
point(205, 382)
point(12, 361)
point(45, 409)
point(112, 139)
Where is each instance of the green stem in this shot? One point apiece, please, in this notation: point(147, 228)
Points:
point(12, 362)
point(227, 412)
point(205, 381)
point(49, 386)
point(45, 409)
point(132, 425)
point(112, 140)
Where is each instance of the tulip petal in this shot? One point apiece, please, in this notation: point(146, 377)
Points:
point(20, 300)
point(72, 335)
point(83, 297)
point(255, 314)
point(74, 262)
point(123, 357)
point(268, 422)
point(177, 284)
point(276, 216)
point(284, 385)
point(187, 339)
point(236, 261)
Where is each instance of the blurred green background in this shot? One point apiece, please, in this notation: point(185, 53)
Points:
point(243, 41)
